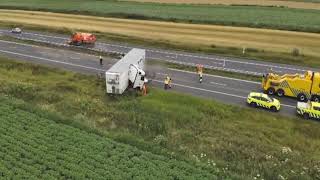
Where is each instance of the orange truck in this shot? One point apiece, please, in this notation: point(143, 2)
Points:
point(80, 38)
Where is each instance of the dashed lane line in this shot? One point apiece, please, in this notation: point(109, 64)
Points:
point(187, 55)
point(222, 77)
point(215, 92)
point(219, 84)
point(103, 70)
point(51, 60)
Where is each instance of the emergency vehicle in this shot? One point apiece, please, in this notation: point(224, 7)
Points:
point(309, 109)
point(80, 38)
point(301, 86)
point(256, 99)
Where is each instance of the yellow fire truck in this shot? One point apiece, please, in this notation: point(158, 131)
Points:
point(302, 86)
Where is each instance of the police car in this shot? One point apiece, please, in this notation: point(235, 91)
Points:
point(309, 109)
point(256, 99)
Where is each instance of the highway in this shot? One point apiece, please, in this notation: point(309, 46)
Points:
point(223, 89)
point(209, 61)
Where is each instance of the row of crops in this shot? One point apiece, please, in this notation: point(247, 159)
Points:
point(33, 147)
point(253, 16)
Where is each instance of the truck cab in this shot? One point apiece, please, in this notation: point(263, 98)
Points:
point(308, 109)
point(137, 77)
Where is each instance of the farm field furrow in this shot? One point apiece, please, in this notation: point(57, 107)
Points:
point(65, 152)
point(291, 4)
point(251, 16)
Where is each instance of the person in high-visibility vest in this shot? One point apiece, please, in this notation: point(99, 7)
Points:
point(144, 90)
point(200, 72)
point(167, 82)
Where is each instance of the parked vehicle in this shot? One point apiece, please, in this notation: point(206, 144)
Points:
point(16, 30)
point(309, 109)
point(302, 86)
point(80, 38)
point(127, 72)
point(256, 99)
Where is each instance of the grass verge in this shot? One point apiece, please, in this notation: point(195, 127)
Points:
point(303, 4)
point(242, 142)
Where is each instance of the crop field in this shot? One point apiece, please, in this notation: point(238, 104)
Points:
point(282, 3)
point(235, 142)
point(34, 147)
point(251, 16)
point(176, 33)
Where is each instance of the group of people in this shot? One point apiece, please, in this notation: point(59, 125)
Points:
point(168, 80)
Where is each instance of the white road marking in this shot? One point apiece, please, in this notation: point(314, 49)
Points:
point(51, 60)
point(31, 45)
point(222, 77)
point(187, 55)
point(87, 67)
point(11, 42)
point(201, 89)
point(217, 67)
point(218, 84)
point(216, 92)
point(76, 58)
point(162, 74)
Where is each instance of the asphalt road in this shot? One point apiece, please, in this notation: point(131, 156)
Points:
point(223, 89)
point(209, 61)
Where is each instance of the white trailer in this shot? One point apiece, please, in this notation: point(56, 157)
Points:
point(127, 72)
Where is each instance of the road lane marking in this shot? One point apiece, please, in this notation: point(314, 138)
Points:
point(201, 89)
point(11, 42)
point(218, 84)
point(186, 55)
point(103, 70)
point(222, 77)
point(216, 92)
point(31, 45)
point(51, 60)
point(75, 58)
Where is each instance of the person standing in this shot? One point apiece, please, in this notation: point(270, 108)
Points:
point(200, 72)
point(144, 89)
point(101, 60)
point(200, 77)
point(167, 82)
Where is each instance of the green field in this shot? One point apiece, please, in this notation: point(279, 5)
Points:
point(236, 142)
point(33, 147)
point(251, 16)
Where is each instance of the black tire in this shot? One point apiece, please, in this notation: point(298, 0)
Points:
point(280, 92)
point(316, 99)
point(253, 104)
point(270, 91)
point(302, 97)
point(306, 116)
point(273, 109)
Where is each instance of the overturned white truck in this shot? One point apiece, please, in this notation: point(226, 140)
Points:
point(127, 72)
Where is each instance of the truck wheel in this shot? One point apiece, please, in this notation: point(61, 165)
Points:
point(270, 91)
point(306, 116)
point(253, 104)
point(273, 109)
point(302, 97)
point(316, 99)
point(280, 92)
